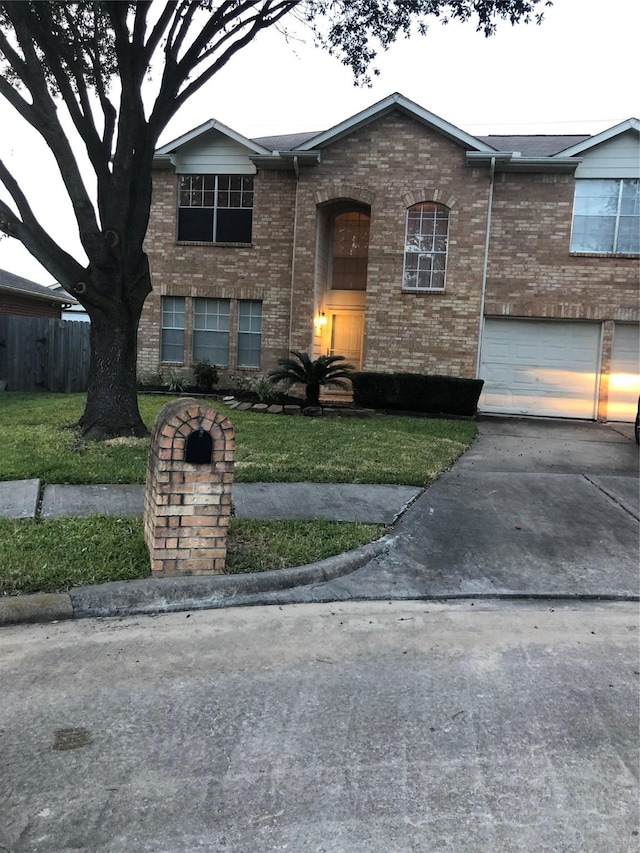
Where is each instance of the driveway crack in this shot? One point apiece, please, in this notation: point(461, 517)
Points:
point(616, 499)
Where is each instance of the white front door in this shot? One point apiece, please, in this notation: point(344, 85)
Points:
point(540, 368)
point(346, 337)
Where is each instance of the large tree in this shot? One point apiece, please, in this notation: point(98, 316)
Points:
point(95, 59)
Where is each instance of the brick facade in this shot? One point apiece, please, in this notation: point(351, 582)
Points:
point(531, 271)
point(383, 166)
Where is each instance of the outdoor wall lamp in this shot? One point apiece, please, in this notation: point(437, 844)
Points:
point(320, 321)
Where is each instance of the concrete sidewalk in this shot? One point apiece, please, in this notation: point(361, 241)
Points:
point(372, 504)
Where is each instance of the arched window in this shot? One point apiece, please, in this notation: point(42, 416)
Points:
point(425, 250)
point(350, 249)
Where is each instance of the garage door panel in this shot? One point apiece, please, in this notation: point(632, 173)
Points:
point(624, 378)
point(540, 368)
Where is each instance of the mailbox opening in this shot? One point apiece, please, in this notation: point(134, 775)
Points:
point(199, 448)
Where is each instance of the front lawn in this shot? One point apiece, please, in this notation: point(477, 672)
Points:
point(53, 555)
point(39, 442)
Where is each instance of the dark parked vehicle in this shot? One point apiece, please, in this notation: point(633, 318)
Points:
point(638, 423)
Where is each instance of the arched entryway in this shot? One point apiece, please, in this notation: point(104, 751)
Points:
point(341, 279)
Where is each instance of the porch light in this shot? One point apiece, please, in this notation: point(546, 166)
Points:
point(321, 320)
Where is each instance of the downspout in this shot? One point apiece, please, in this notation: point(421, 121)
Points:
point(485, 264)
point(296, 169)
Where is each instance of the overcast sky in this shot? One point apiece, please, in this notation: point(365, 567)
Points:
point(575, 73)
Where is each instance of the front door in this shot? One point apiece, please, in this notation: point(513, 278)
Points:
point(346, 337)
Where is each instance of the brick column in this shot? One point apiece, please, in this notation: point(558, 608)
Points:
point(187, 502)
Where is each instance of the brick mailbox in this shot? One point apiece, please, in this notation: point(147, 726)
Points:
point(187, 501)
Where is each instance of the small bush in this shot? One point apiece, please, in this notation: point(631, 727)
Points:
point(241, 382)
point(264, 388)
point(414, 392)
point(177, 382)
point(205, 374)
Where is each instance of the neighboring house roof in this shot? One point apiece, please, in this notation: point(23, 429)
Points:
point(16, 284)
point(286, 141)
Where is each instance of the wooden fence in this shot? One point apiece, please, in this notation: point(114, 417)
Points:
point(40, 354)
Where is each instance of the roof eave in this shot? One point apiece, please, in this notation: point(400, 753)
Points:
point(510, 161)
point(171, 147)
point(609, 133)
point(286, 160)
point(41, 297)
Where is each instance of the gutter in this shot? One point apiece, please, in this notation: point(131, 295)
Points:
point(296, 168)
point(513, 161)
point(485, 263)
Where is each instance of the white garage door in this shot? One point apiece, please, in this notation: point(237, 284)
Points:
point(624, 381)
point(540, 368)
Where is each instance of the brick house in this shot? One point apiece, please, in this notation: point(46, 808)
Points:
point(21, 297)
point(402, 242)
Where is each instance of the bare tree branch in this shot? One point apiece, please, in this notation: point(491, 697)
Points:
point(31, 234)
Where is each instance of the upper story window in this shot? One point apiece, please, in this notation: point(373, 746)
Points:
point(425, 249)
point(606, 217)
point(350, 251)
point(215, 208)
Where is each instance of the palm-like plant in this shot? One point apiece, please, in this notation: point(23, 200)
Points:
point(313, 373)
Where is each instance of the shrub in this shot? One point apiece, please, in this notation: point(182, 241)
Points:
point(414, 392)
point(176, 382)
point(205, 374)
point(330, 370)
point(264, 388)
point(241, 382)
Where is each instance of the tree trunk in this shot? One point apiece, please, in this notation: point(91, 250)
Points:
point(112, 398)
point(312, 394)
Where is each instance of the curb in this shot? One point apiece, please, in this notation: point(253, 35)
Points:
point(167, 595)
point(41, 607)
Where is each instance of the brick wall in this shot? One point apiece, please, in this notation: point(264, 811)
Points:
point(531, 271)
point(260, 271)
point(187, 505)
point(388, 165)
point(391, 164)
point(25, 307)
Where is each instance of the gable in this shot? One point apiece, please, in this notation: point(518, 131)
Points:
point(213, 153)
point(392, 104)
point(618, 157)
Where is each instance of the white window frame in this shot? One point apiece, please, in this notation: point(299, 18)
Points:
point(250, 316)
point(616, 216)
point(424, 267)
point(214, 323)
point(171, 321)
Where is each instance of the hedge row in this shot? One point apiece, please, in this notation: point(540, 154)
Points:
point(413, 392)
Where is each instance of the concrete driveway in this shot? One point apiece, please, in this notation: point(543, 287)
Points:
point(534, 508)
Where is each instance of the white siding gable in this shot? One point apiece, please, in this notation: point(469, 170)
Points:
point(616, 158)
point(213, 153)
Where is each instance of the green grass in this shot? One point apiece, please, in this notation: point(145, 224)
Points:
point(37, 443)
point(54, 555)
